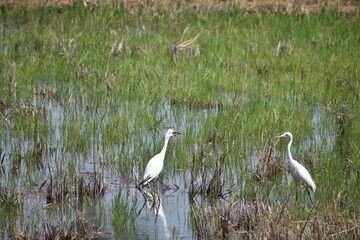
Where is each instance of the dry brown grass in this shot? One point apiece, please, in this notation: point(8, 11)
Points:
point(256, 220)
point(269, 165)
point(60, 187)
point(203, 183)
point(78, 228)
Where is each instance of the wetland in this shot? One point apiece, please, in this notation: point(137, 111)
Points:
point(87, 94)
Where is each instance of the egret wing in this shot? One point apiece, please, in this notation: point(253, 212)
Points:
point(152, 169)
point(303, 175)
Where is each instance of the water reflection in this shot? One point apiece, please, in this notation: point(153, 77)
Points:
point(157, 207)
point(165, 217)
point(154, 204)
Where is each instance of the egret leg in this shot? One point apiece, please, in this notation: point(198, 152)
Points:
point(143, 181)
point(311, 196)
point(138, 187)
point(142, 208)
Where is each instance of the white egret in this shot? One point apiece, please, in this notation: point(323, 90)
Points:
point(156, 163)
point(298, 171)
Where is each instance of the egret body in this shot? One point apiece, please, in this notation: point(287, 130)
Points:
point(298, 171)
point(156, 163)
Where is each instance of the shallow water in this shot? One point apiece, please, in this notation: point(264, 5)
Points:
point(169, 220)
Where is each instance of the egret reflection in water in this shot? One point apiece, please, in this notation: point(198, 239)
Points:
point(154, 205)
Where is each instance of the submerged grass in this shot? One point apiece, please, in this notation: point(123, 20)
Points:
point(88, 89)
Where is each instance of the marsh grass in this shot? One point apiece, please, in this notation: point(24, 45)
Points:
point(205, 184)
point(10, 200)
point(232, 219)
point(92, 90)
point(74, 228)
point(124, 216)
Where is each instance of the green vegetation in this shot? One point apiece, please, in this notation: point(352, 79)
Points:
point(123, 217)
point(83, 88)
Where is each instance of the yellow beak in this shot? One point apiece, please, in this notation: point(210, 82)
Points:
point(176, 133)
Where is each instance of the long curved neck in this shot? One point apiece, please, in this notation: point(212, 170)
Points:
point(163, 151)
point(290, 159)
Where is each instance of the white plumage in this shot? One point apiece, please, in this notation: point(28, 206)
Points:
point(298, 171)
point(156, 163)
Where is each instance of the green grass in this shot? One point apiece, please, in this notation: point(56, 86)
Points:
point(123, 218)
point(228, 98)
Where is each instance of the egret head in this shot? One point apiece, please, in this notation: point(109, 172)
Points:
point(171, 133)
point(285, 134)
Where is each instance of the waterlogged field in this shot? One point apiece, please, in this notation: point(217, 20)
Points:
point(87, 94)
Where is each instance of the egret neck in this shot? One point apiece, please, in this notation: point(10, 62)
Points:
point(163, 151)
point(288, 150)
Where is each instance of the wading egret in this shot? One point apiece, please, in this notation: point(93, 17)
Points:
point(155, 165)
point(298, 171)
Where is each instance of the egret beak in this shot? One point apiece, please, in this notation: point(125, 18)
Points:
point(280, 136)
point(176, 133)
